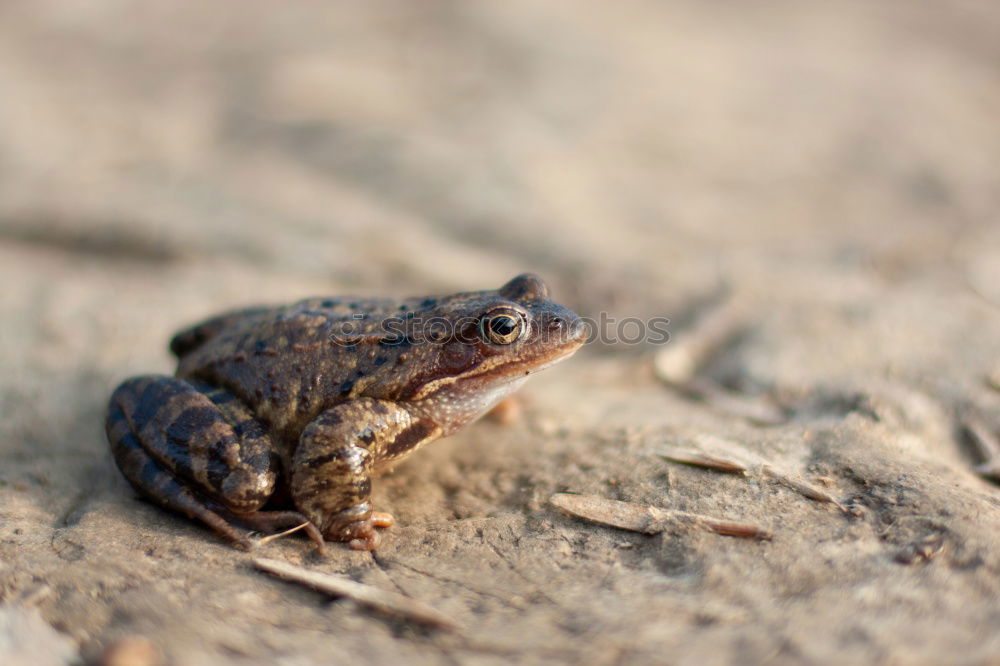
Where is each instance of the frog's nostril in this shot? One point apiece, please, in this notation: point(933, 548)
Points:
point(567, 328)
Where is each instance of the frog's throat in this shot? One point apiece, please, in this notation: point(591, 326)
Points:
point(494, 372)
point(452, 407)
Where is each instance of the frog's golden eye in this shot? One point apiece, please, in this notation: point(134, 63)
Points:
point(501, 327)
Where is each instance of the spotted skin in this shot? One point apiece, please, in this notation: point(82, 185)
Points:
point(282, 416)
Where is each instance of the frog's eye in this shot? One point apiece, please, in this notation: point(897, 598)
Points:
point(501, 327)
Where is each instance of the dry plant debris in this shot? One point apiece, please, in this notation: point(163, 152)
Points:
point(649, 519)
point(802, 487)
point(389, 603)
point(721, 464)
point(706, 461)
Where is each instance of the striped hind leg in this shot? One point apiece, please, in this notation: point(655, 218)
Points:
point(196, 450)
point(157, 484)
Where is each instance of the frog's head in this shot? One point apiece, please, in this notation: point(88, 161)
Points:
point(486, 345)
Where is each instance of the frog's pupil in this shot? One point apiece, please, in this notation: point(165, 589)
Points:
point(502, 326)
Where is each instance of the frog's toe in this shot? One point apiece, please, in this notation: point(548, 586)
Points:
point(382, 519)
point(356, 525)
point(362, 534)
point(368, 542)
point(356, 529)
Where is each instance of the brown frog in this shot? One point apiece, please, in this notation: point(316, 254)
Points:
point(281, 416)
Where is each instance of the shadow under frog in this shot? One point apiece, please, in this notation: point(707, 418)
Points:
point(298, 407)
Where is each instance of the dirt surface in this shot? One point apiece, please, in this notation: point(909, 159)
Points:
point(835, 167)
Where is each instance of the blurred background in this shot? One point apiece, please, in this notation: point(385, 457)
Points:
point(632, 151)
point(836, 164)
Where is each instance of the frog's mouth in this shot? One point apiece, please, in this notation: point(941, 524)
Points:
point(505, 376)
point(517, 369)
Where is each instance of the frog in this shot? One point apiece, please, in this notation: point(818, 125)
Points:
point(280, 417)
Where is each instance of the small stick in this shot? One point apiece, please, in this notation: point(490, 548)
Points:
point(272, 537)
point(648, 519)
point(802, 487)
point(699, 459)
point(377, 599)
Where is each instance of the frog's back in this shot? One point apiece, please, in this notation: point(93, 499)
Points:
point(289, 363)
point(189, 339)
point(309, 318)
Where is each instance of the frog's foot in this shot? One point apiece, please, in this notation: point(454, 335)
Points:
point(271, 522)
point(357, 526)
point(193, 449)
point(371, 539)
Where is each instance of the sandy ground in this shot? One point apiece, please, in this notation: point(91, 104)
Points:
point(835, 167)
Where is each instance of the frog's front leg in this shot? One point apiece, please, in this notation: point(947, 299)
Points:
point(336, 457)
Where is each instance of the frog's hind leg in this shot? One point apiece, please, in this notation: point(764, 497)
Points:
point(157, 484)
point(197, 450)
point(256, 448)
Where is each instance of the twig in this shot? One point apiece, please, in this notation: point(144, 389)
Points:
point(717, 463)
point(377, 599)
point(802, 487)
point(648, 519)
point(699, 459)
point(272, 537)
